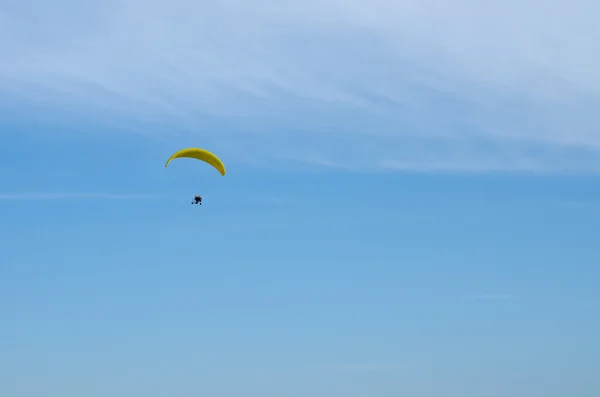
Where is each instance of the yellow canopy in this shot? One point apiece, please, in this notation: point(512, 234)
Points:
point(202, 155)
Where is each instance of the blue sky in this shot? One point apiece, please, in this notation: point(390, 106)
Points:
point(410, 207)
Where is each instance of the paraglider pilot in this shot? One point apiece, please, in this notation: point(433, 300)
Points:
point(197, 200)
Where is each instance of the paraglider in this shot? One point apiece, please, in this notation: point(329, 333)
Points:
point(197, 200)
point(202, 155)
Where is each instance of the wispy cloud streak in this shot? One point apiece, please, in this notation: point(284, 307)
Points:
point(457, 85)
point(493, 297)
point(75, 196)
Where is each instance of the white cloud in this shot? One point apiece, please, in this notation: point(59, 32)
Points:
point(370, 367)
point(75, 196)
point(460, 85)
point(494, 297)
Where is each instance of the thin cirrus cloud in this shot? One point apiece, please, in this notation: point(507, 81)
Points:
point(461, 85)
point(74, 196)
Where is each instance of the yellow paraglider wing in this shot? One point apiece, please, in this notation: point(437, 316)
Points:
point(199, 154)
